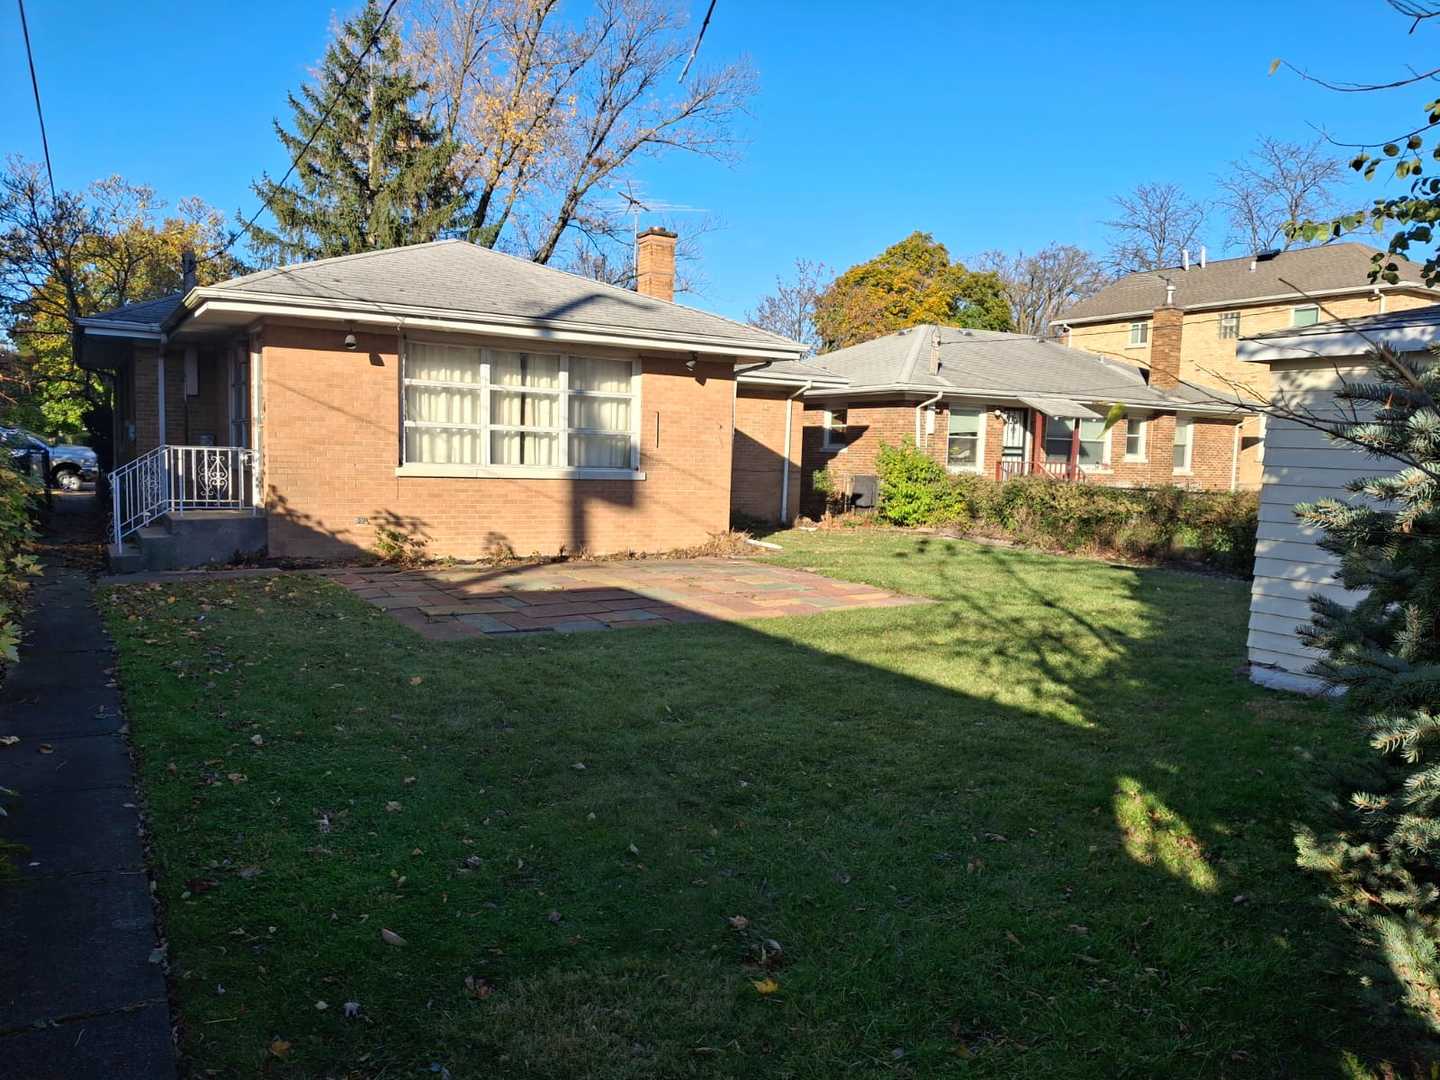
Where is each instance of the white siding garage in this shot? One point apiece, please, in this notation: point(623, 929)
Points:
point(1302, 465)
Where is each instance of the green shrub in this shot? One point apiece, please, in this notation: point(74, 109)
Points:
point(19, 507)
point(1147, 523)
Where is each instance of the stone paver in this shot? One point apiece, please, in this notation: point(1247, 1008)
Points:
point(80, 997)
point(447, 604)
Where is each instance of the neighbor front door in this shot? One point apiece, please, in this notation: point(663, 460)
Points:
point(1014, 439)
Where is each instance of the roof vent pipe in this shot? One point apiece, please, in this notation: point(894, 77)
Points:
point(1202, 256)
point(1169, 294)
point(1185, 258)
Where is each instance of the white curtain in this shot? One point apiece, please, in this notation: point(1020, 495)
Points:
point(451, 405)
point(524, 448)
point(524, 369)
point(442, 363)
point(600, 451)
point(604, 376)
point(600, 414)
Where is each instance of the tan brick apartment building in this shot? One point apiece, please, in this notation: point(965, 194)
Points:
point(1221, 301)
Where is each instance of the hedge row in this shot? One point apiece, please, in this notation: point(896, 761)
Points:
point(1151, 523)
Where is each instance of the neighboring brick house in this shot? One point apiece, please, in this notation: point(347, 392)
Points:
point(1226, 299)
point(996, 405)
point(447, 392)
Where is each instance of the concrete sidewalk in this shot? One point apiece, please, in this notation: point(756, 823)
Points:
point(79, 994)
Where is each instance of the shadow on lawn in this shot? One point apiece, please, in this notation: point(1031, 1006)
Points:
point(1040, 828)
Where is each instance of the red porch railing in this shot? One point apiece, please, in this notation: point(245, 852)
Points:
point(1069, 471)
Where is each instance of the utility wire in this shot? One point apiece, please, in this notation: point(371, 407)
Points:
point(698, 38)
point(35, 85)
point(314, 134)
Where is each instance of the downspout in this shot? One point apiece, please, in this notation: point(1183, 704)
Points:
point(919, 408)
point(1235, 459)
point(160, 385)
point(785, 457)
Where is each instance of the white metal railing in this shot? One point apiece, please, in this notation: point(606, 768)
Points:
point(174, 479)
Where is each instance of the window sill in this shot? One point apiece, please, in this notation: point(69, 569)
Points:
point(972, 470)
point(1142, 345)
point(1136, 460)
point(833, 449)
point(516, 472)
point(1182, 472)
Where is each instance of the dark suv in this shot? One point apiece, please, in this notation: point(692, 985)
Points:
point(65, 466)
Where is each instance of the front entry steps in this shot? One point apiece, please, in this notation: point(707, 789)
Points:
point(193, 539)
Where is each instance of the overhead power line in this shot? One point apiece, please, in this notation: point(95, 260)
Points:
point(314, 134)
point(35, 85)
point(698, 38)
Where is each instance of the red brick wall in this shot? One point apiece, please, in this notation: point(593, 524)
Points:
point(331, 446)
point(890, 422)
point(756, 473)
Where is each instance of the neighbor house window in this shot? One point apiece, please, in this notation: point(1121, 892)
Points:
point(835, 421)
point(1229, 325)
point(1060, 435)
point(1137, 434)
point(963, 449)
point(1306, 315)
point(491, 407)
point(1139, 334)
point(1184, 443)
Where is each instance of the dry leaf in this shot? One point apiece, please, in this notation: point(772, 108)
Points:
point(554, 917)
point(739, 922)
point(280, 1047)
point(765, 986)
point(392, 807)
point(9, 740)
point(416, 680)
point(321, 1006)
point(46, 748)
point(391, 938)
point(258, 740)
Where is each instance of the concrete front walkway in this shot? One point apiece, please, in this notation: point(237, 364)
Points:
point(79, 994)
point(448, 604)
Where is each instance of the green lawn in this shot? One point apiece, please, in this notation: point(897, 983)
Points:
point(1039, 828)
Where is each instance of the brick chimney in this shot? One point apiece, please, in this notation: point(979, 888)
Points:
point(189, 266)
point(1165, 326)
point(655, 263)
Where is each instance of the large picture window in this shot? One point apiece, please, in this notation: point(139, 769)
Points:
point(495, 408)
point(1059, 436)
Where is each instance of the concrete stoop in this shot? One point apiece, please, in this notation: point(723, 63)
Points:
point(192, 539)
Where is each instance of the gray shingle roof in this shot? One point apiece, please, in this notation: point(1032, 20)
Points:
point(1314, 270)
point(455, 276)
point(142, 313)
point(1011, 364)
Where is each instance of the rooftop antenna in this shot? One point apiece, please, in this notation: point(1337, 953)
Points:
point(634, 207)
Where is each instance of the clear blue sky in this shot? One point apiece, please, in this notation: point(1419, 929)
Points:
point(989, 125)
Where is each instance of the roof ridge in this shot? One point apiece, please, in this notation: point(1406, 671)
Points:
point(328, 259)
point(912, 355)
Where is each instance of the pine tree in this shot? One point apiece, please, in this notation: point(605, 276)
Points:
point(1383, 859)
point(377, 174)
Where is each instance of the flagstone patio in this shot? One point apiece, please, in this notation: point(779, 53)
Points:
point(447, 604)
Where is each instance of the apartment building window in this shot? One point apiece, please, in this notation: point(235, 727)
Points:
point(1229, 325)
point(1304, 315)
point(835, 420)
point(1139, 334)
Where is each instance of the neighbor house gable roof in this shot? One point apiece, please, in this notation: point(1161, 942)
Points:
point(466, 284)
point(988, 362)
point(1313, 271)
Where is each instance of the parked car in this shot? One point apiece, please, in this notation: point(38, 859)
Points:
point(29, 453)
point(66, 466)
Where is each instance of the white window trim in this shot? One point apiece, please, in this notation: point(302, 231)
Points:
point(1294, 311)
point(984, 417)
point(1188, 424)
point(1144, 420)
point(1107, 437)
point(562, 392)
point(829, 442)
point(1131, 343)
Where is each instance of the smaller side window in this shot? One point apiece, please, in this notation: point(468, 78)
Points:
point(1305, 315)
point(835, 420)
point(1137, 430)
point(1139, 334)
point(1229, 325)
point(1184, 443)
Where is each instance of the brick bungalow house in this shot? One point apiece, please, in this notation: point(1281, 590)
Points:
point(1223, 300)
point(1002, 405)
point(443, 390)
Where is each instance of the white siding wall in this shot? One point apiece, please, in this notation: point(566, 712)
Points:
point(1301, 465)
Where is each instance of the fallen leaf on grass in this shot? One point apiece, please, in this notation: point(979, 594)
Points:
point(392, 807)
point(554, 917)
point(236, 777)
point(739, 922)
point(478, 989)
point(279, 1047)
point(258, 740)
point(416, 680)
point(321, 1006)
point(765, 987)
point(391, 938)
point(9, 740)
point(46, 748)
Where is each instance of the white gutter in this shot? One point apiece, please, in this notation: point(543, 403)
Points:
point(785, 457)
point(1008, 397)
point(924, 405)
point(203, 302)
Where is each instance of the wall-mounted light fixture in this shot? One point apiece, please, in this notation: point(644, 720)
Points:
point(350, 342)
